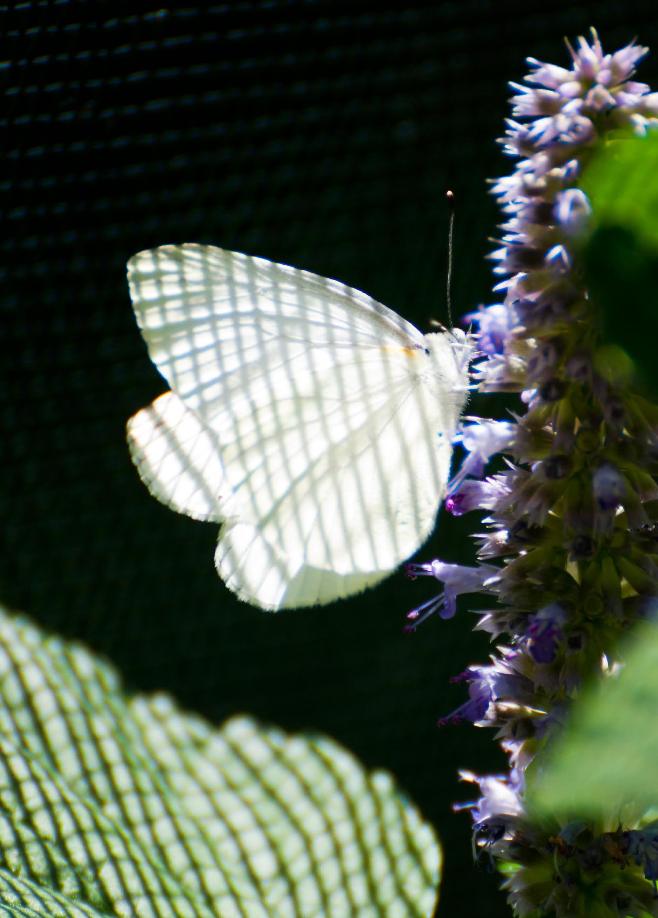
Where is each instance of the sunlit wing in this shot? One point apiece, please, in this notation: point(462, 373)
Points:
point(332, 417)
point(220, 324)
point(360, 507)
point(178, 459)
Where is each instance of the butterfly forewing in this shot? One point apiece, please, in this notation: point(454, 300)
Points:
point(332, 418)
point(216, 322)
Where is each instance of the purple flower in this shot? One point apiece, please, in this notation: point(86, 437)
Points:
point(572, 210)
point(480, 441)
point(545, 631)
point(496, 814)
point(456, 580)
point(480, 694)
point(558, 259)
point(494, 324)
point(471, 496)
point(488, 685)
point(500, 795)
point(478, 495)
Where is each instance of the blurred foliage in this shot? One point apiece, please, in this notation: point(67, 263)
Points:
point(620, 256)
point(605, 763)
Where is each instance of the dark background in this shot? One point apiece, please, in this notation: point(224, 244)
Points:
point(320, 134)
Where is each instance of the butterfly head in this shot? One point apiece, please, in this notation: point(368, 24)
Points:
point(450, 353)
point(463, 347)
point(462, 344)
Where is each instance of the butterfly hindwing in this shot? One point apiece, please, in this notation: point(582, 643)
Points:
point(178, 459)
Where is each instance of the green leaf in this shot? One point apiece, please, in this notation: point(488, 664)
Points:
point(621, 182)
point(117, 805)
point(620, 256)
point(606, 760)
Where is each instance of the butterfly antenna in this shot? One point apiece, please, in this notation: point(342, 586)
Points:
point(451, 228)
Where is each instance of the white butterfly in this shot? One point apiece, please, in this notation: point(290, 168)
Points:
point(312, 422)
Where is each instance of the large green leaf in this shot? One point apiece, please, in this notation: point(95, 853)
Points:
point(606, 761)
point(117, 805)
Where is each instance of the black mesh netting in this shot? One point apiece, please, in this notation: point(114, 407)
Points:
point(320, 134)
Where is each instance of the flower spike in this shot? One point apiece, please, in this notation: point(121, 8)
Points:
point(568, 517)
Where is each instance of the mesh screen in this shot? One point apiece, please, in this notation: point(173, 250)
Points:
point(318, 134)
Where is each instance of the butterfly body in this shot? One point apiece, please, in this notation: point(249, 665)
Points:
point(309, 420)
